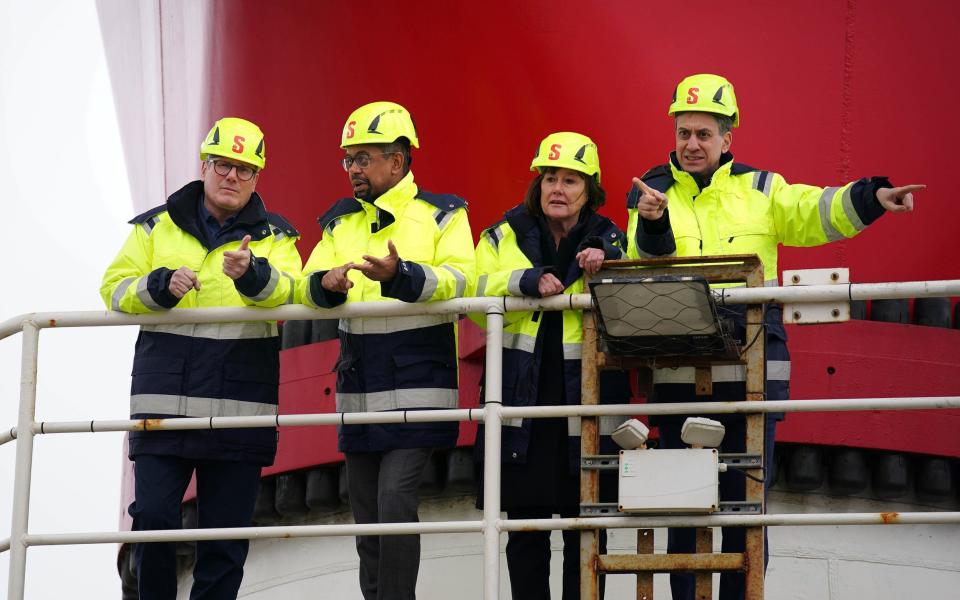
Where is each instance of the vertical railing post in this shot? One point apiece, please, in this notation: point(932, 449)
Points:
point(493, 386)
point(24, 461)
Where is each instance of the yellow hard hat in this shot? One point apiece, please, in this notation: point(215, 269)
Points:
point(568, 150)
point(235, 138)
point(378, 123)
point(706, 93)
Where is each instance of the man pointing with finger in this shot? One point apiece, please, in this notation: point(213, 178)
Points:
point(212, 244)
point(391, 240)
point(703, 204)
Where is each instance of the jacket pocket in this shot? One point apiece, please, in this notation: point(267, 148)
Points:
point(250, 382)
point(157, 375)
point(424, 371)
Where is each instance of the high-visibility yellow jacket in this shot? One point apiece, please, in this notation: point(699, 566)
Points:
point(510, 263)
point(204, 370)
point(744, 210)
point(395, 363)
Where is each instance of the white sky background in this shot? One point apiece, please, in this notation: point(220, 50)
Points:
point(64, 201)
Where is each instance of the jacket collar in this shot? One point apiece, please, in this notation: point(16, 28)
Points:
point(391, 203)
point(692, 179)
point(184, 212)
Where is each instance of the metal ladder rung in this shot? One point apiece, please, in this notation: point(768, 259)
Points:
point(670, 563)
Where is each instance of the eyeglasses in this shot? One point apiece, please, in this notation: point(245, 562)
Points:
point(223, 168)
point(362, 160)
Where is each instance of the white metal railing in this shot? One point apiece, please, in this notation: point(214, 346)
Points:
point(491, 525)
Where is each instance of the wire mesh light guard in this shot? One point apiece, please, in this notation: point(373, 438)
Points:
point(659, 316)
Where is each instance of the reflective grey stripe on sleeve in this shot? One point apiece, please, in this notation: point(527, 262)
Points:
point(826, 199)
point(572, 351)
point(519, 341)
point(271, 285)
point(482, 285)
point(608, 424)
point(145, 296)
point(397, 400)
point(120, 290)
point(188, 406)
point(513, 284)
point(494, 237)
point(378, 325)
point(149, 224)
point(777, 370)
point(442, 218)
point(429, 283)
point(850, 211)
point(310, 300)
point(293, 288)
point(218, 331)
point(762, 181)
point(517, 422)
point(461, 280)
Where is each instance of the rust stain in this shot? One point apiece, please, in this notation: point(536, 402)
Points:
point(890, 518)
point(52, 322)
point(151, 424)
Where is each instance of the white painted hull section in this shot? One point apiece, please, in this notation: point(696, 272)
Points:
point(806, 563)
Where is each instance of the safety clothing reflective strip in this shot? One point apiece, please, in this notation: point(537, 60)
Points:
point(253, 330)
point(482, 285)
point(513, 284)
point(762, 182)
point(826, 200)
point(517, 422)
point(519, 341)
point(149, 224)
point(461, 280)
point(850, 211)
point(429, 283)
point(608, 424)
point(572, 351)
point(442, 217)
point(378, 325)
point(271, 285)
point(293, 288)
point(145, 296)
point(648, 255)
point(397, 399)
point(120, 291)
point(311, 301)
point(777, 370)
point(189, 406)
point(494, 235)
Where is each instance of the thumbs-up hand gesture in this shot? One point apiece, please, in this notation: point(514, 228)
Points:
point(652, 203)
point(182, 281)
point(236, 262)
point(380, 269)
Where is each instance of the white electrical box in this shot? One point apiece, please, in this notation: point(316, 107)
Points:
point(669, 481)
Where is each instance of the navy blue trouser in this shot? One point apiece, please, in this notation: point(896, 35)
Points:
point(528, 556)
point(226, 493)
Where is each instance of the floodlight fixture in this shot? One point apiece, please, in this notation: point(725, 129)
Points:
point(659, 316)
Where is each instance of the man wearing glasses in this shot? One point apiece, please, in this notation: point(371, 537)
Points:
point(391, 240)
point(212, 244)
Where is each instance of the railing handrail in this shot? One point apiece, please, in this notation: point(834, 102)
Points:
point(734, 295)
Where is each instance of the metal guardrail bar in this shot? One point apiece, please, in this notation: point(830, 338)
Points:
point(501, 525)
point(477, 414)
point(741, 295)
